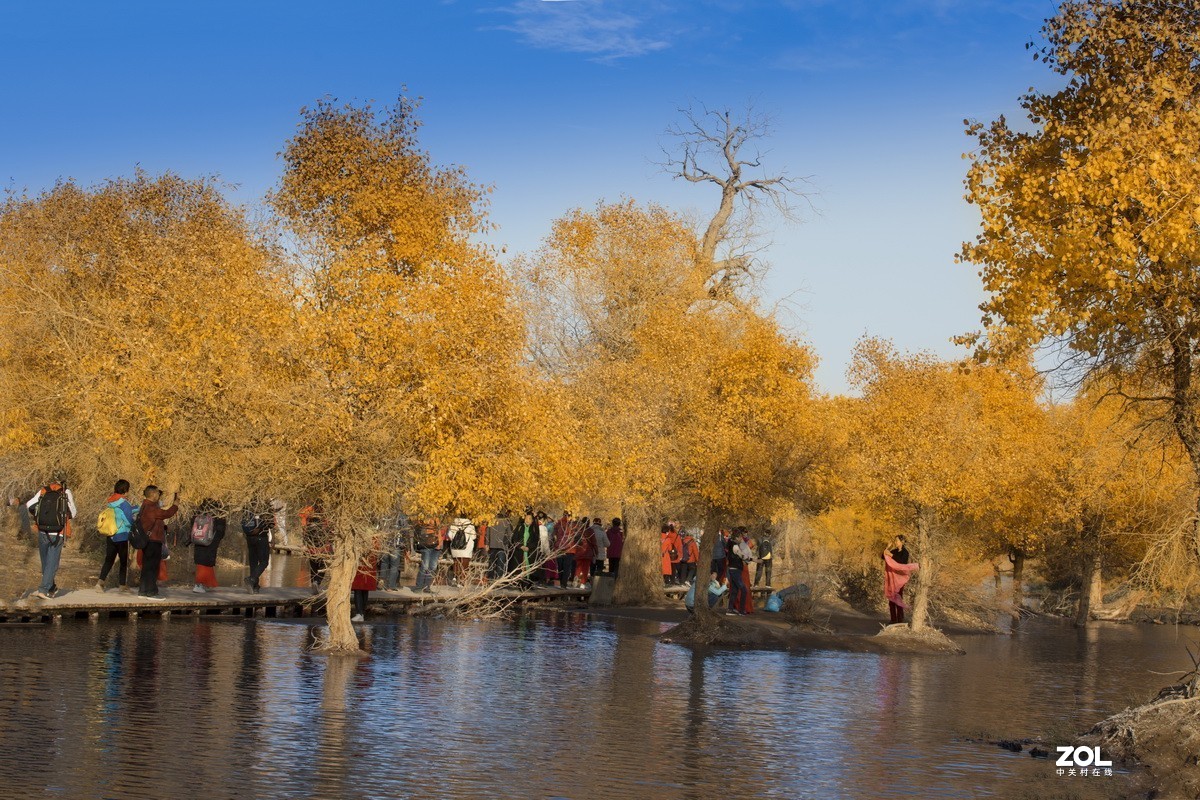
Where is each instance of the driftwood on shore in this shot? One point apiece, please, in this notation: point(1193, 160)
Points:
point(1159, 739)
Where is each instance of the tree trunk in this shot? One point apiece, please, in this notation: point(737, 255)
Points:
point(1091, 585)
point(343, 564)
point(640, 581)
point(1018, 588)
point(712, 532)
point(1183, 414)
point(923, 577)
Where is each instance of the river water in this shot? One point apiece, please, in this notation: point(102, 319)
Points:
point(556, 704)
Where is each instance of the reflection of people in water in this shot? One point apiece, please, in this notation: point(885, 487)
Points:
point(896, 572)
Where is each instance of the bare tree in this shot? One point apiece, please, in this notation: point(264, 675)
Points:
point(715, 146)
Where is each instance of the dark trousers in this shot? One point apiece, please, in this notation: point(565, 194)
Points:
point(614, 565)
point(497, 562)
point(738, 591)
point(896, 612)
point(112, 552)
point(151, 558)
point(719, 566)
point(689, 572)
point(258, 553)
point(763, 566)
point(360, 601)
point(566, 568)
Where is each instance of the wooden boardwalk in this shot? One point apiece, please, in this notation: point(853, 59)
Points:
point(91, 604)
point(236, 601)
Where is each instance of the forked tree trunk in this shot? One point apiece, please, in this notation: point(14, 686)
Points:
point(923, 577)
point(640, 581)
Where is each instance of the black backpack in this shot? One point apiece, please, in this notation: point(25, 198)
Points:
point(459, 540)
point(52, 511)
point(138, 537)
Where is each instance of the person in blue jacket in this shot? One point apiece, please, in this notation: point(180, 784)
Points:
point(117, 545)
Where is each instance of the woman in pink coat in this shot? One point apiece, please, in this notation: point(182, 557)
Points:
point(896, 572)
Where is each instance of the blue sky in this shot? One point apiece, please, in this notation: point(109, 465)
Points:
point(561, 104)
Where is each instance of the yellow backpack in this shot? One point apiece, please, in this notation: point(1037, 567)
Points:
point(106, 523)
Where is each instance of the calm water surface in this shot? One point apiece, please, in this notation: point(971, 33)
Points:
point(554, 705)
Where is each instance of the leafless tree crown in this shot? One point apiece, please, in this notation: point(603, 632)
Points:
point(716, 146)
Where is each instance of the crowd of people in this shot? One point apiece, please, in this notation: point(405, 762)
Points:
point(733, 553)
point(529, 549)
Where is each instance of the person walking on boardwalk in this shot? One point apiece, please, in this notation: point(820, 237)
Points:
point(525, 547)
point(366, 580)
point(499, 539)
point(689, 559)
point(547, 572)
point(896, 572)
point(428, 544)
point(719, 561)
point(52, 510)
point(314, 532)
point(257, 524)
point(564, 545)
point(152, 519)
point(600, 537)
point(672, 548)
point(585, 553)
point(765, 559)
point(461, 536)
point(741, 541)
point(116, 544)
point(391, 559)
point(208, 529)
point(736, 561)
point(616, 543)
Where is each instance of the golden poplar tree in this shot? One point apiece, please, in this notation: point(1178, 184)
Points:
point(138, 316)
point(1090, 216)
point(409, 389)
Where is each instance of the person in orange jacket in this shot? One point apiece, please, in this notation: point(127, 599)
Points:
point(686, 574)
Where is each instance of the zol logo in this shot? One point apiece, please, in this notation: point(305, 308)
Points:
point(1081, 757)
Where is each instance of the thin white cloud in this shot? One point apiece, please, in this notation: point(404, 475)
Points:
point(603, 29)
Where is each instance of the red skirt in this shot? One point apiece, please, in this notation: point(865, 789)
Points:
point(206, 576)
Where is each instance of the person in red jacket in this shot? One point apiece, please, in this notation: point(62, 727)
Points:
point(152, 517)
point(616, 543)
point(672, 552)
point(366, 580)
point(564, 545)
point(585, 552)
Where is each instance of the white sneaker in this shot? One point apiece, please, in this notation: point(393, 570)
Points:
point(199, 589)
point(357, 618)
point(99, 586)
